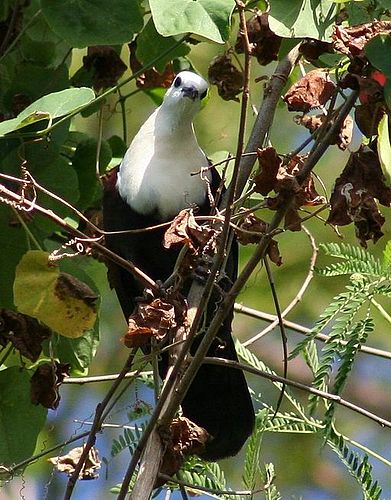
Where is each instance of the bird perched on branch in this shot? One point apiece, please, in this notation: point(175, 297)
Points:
point(156, 181)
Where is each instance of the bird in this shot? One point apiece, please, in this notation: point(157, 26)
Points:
point(156, 181)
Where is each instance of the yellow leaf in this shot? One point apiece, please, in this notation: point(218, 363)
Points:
point(59, 300)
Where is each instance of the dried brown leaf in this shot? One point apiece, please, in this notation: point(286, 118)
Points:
point(45, 384)
point(186, 438)
point(354, 194)
point(24, 332)
point(342, 138)
point(226, 76)
point(67, 463)
point(312, 49)
point(311, 91)
point(184, 230)
point(251, 229)
point(351, 40)
point(106, 65)
point(264, 43)
point(150, 320)
point(269, 163)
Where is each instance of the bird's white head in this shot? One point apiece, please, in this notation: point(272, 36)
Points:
point(185, 94)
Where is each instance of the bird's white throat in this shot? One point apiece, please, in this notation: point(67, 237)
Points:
point(157, 172)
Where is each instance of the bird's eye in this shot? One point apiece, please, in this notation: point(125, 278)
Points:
point(177, 81)
point(203, 95)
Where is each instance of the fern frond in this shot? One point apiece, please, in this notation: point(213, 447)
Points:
point(252, 475)
point(357, 337)
point(357, 465)
point(341, 330)
point(127, 440)
point(340, 304)
point(311, 357)
point(247, 356)
point(290, 423)
point(203, 474)
point(271, 492)
point(357, 259)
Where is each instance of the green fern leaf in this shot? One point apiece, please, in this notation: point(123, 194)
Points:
point(359, 259)
point(357, 465)
point(252, 473)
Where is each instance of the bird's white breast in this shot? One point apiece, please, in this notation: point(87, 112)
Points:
point(156, 172)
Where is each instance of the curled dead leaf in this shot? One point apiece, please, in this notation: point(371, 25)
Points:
point(344, 136)
point(251, 229)
point(355, 193)
point(186, 438)
point(226, 76)
point(155, 319)
point(105, 64)
point(25, 333)
point(45, 384)
point(351, 40)
point(311, 91)
point(264, 43)
point(184, 230)
point(287, 185)
point(266, 178)
point(67, 463)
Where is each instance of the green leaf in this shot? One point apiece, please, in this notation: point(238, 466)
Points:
point(384, 149)
point(61, 103)
point(50, 106)
point(40, 292)
point(387, 93)
point(302, 18)
point(13, 243)
point(83, 23)
point(150, 44)
point(20, 420)
point(378, 51)
point(209, 19)
point(84, 162)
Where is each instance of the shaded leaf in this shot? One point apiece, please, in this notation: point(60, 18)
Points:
point(20, 421)
point(82, 24)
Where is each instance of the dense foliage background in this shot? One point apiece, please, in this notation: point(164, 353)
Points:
point(76, 82)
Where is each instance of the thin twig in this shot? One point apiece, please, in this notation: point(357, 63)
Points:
point(298, 297)
point(23, 203)
point(298, 385)
point(96, 426)
point(282, 330)
point(254, 313)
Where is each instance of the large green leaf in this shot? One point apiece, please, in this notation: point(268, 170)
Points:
point(207, 18)
point(150, 44)
point(49, 107)
point(20, 420)
point(99, 22)
point(302, 18)
point(378, 51)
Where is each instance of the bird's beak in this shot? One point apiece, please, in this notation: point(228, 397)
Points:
point(190, 92)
